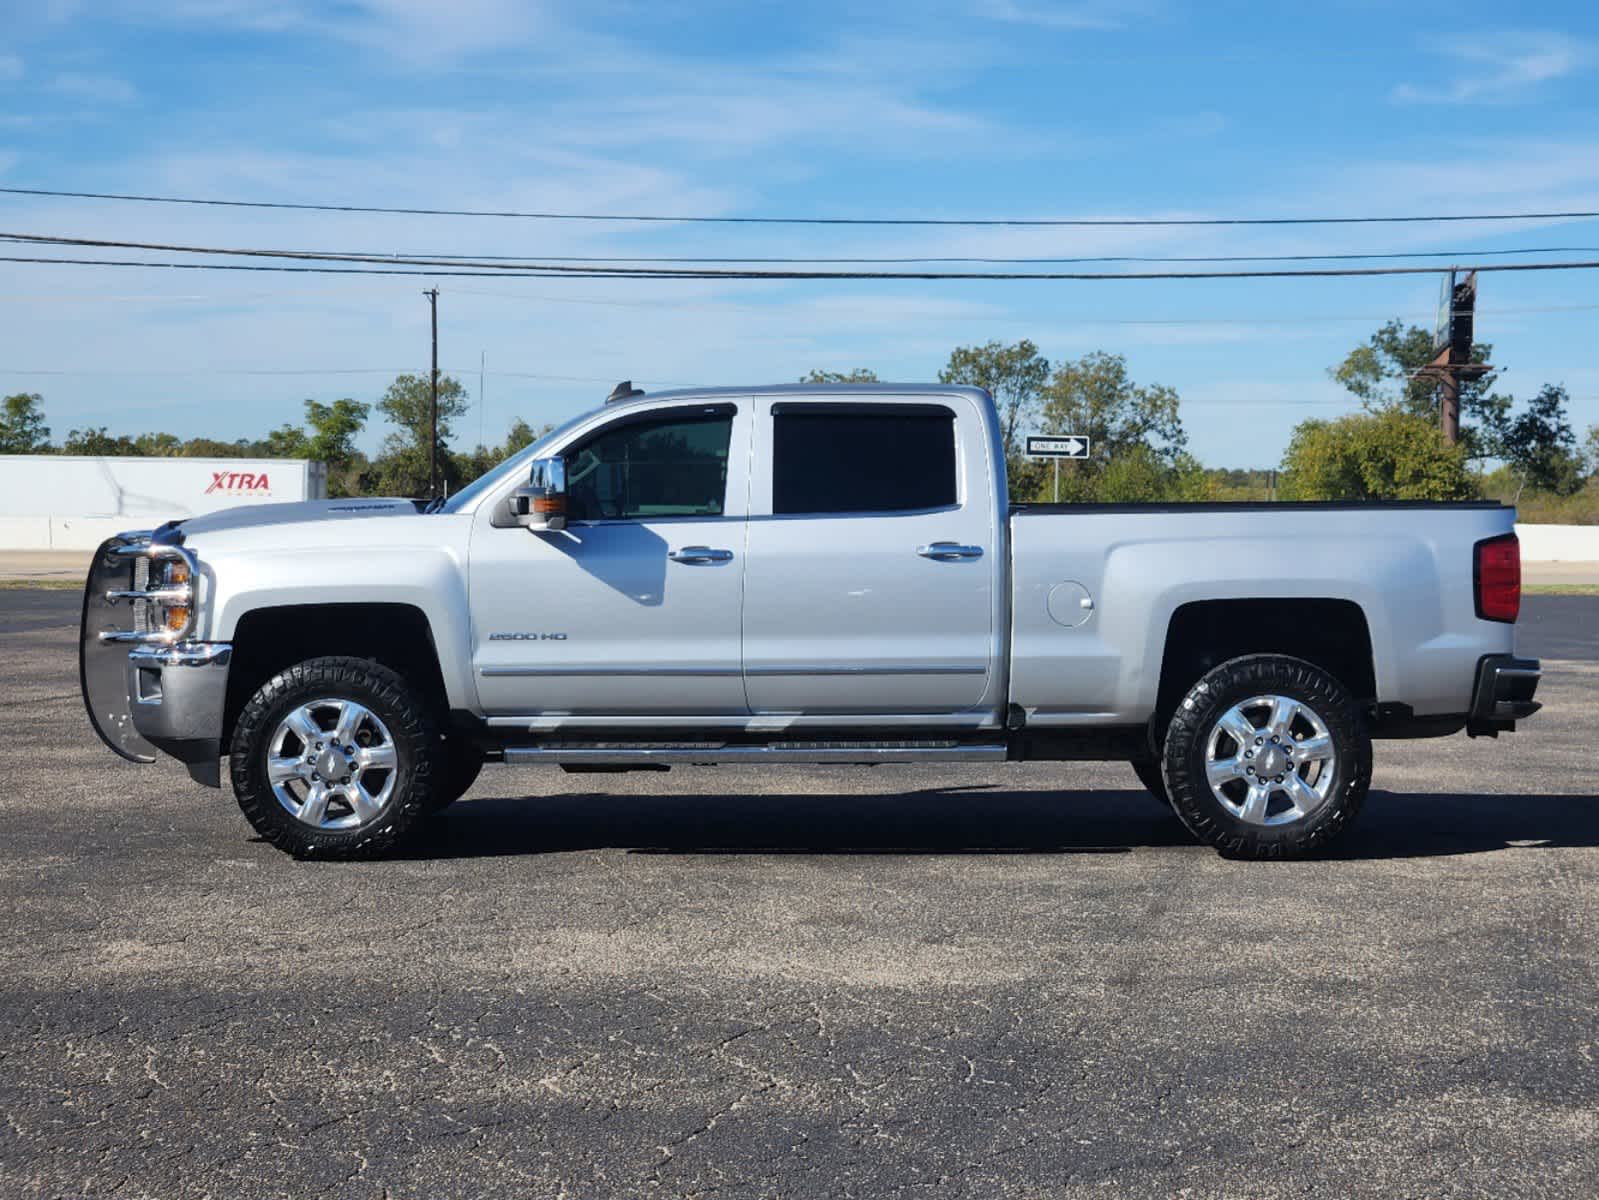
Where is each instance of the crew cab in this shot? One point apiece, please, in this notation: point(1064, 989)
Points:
point(797, 574)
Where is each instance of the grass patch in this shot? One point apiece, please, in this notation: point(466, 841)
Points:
point(47, 585)
point(1561, 589)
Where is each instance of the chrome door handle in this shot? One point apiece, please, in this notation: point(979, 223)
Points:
point(949, 551)
point(699, 554)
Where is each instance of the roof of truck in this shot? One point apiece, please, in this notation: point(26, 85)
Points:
point(816, 389)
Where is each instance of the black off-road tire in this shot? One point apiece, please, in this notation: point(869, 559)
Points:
point(1149, 775)
point(1209, 700)
point(395, 702)
point(461, 763)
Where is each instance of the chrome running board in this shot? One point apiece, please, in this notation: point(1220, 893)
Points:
point(621, 754)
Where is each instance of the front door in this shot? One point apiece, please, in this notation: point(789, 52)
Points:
point(874, 558)
point(633, 609)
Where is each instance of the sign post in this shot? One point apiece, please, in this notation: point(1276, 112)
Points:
point(1057, 447)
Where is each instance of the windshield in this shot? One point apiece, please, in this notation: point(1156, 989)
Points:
point(517, 464)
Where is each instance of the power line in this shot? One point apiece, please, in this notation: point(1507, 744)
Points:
point(536, 259)
point(487, 269)
point(1034, 222)
point(206, 372)
point(191, 266)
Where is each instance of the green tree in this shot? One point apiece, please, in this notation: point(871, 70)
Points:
point(334, 428)
point(1385, 455)
point(406, 404)
point(22, 427)
point(402, 465)
point(1094, 396)
point(286, 441)
point(158, 445)
point(1135, 476)
point(96, 440)
point(1383, 373)
point(211, 448)
point(484, 459)
point(858, 375)
point(1014, 375)
point(1540, 445)
point(521, 436)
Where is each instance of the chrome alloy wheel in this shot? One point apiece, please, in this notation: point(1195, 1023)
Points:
point(332, 764)
point(1270, 760)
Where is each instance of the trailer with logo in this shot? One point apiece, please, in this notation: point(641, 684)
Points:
point(74, 502)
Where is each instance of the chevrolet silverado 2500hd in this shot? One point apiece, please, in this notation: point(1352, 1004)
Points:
point(797, 575)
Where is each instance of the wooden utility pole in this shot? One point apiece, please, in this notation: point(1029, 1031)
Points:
point(1449, 406)
point(1456, 333)
point(433, 404)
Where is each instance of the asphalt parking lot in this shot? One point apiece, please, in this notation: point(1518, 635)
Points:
point(907, 981)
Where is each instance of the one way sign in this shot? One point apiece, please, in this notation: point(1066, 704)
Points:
point(1067, 446)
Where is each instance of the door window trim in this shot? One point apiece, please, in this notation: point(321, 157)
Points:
point(703, 414)
point(867, 409)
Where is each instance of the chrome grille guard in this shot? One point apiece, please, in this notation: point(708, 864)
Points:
point(118, 614)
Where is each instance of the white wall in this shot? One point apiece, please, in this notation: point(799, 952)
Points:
point(82, 500)
point(1559, 543)
point(60, 533)
point(149, 489)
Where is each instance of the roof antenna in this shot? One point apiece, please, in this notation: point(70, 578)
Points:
point(623, 391)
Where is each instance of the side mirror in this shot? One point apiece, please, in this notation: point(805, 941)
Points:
point(541, 505)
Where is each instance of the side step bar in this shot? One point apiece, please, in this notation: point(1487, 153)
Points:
point(621, 754)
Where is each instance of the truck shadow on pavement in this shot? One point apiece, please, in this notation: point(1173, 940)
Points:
point(980, 820)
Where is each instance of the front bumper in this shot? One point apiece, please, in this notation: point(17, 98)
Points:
point(1503, 695)
point(177, 696)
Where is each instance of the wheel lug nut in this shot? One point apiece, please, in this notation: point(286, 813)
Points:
point(1249, 754)
point(1249, 770)
point(1258, 741)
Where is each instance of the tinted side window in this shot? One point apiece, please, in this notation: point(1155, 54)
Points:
point(837, 458)
point(672, 467)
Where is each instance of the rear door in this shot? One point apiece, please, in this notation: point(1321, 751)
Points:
point(872, 565)
point(634, 608)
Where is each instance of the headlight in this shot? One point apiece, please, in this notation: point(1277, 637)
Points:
point(171, 579)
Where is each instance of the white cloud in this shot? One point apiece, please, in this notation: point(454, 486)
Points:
point(1104, 15)
point(412, 31)
point(10, 68)
point(94, 89)
point(1499, 67)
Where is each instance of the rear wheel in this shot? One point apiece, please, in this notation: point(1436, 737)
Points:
point(1267, 757)
point(335, 758)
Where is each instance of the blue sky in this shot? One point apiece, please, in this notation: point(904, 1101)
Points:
point(983, 108)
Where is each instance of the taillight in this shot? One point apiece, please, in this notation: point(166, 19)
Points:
point(1498, 577)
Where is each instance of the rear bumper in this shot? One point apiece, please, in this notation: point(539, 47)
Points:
point(1503, 695)
point(177, 695)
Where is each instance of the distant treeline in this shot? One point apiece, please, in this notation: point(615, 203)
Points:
point(1388, 448)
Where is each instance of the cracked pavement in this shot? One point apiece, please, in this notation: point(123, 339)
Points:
point(904, 981)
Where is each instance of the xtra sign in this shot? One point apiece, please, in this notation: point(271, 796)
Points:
point(239, 483)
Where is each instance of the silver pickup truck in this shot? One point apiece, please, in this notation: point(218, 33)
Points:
point(797, 575)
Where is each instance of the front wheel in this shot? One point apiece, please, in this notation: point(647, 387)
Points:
point(460, 765)
point(334, 758)
point(1149, 775)
point(1267, 757)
